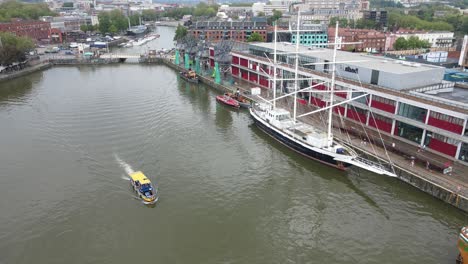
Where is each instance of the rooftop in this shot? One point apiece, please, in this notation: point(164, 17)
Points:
point(358, 59)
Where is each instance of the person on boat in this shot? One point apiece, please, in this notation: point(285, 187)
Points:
point(237, 93)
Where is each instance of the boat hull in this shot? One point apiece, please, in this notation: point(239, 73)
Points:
point(232, 103)
point(309, 153)
point(192, 80)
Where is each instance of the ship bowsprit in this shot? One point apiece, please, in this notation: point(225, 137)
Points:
point(367, 165)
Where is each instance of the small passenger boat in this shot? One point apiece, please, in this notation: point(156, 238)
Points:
point(143, 187)
point(243, 102)
point(189, 76)
point(227, 100)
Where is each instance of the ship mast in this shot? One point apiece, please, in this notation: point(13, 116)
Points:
point(330, 111)
point(296, 76)
point(274, 69)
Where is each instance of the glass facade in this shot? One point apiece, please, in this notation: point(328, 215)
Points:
point(363, 100)
point(412, 112)
point(409, 132)
point(463, 156)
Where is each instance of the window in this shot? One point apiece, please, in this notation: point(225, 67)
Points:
point(412, 112)
point(409, 132)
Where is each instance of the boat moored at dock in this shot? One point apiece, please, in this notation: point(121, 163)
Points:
point(189, 76)
point(227, 100)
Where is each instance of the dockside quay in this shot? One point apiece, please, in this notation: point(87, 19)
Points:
point(403, 102)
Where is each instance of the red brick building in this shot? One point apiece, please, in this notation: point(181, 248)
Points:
point(371, 40)
point(37, 30)
point(215, 31)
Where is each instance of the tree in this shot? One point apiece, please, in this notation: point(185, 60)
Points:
point(13, 9)
point(104, 22)
point(181, 32)
point(412, 42)
point(13, 48)
point(343, 22)
point(84, 28)
point(113, 29)
point(261, 14)
point(400, 44)
point(255, 37)
point(276, 15)
point(202, 9)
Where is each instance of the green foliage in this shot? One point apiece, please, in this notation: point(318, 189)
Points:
point(113, 18)
point(261, 14)
point(104, 22)
point(149, 15)
point(134, 20)
point(202, 9)
point(255, 37)
point(397, 20)
point(13, 48)
point(385, 3)
point(113, 29)
point(410, 43)
point(67, 4)
point(13, 9)
point(276, 15)
point(364, 23)
point(181, 32)
point(86, 28)
point(178, 13)
point(343, 22)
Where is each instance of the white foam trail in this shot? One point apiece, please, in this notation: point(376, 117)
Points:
point(124, 177)
point(128, 169)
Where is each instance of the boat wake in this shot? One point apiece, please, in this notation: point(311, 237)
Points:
point(128, 169)
point(125, 177)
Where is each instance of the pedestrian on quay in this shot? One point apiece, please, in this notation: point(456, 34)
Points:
point(427, 165)
point(412, 162)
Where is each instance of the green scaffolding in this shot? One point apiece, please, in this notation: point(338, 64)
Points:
point(177, 60)
point(197, 66)
point(217, 74)
point(186, 60)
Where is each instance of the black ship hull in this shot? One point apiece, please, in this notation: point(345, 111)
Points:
point(309, 153)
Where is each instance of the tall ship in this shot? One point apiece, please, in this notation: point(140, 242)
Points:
point(306, 139)
point(136, 30)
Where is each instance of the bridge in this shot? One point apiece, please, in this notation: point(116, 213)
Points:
point(121, 56)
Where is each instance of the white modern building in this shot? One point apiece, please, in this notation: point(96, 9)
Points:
point(437, 39)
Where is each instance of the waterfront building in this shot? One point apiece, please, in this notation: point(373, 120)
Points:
point(406, 108)
point(369, 40)
point(215, 31)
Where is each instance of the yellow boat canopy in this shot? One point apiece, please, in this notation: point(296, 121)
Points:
point(139, 176)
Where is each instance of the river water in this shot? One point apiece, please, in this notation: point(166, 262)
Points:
point(228, 193)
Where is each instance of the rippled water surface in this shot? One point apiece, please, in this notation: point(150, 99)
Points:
point(228, 193)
